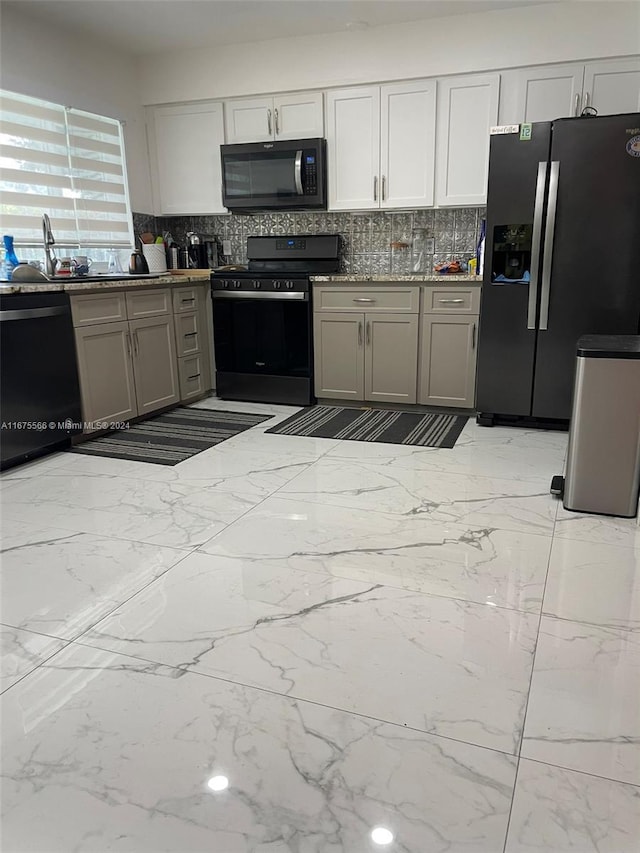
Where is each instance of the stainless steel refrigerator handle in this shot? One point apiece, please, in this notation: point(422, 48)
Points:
point(360, 333)
point(269, 122)
point(298, 173)
point(576, 112)
point(32, 313)
point(548, 245)
point(536, 239)
point(275, 115)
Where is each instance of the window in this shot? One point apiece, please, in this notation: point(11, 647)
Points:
point(67, 163)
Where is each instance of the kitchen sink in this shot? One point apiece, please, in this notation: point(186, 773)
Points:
point(29, 275)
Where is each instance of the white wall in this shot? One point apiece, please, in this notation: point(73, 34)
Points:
point(515, 37)
point(46, 62)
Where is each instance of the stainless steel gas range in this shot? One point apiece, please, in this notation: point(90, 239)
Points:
point(262, 319)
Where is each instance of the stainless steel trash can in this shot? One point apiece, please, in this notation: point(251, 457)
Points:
point(602, 473)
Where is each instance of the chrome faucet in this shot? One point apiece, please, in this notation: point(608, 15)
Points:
point(47, 238)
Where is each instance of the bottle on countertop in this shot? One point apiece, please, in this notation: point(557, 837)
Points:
point(10, 258)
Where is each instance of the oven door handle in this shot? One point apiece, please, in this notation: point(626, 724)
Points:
point(298, 173)
point(298, 296)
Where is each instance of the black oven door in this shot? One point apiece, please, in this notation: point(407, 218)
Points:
point(263, 347)
point(274, 175)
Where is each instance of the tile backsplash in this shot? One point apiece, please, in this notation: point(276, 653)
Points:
point(372, 242)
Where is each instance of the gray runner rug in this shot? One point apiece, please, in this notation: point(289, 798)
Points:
point(383, 425)
point(172, 437)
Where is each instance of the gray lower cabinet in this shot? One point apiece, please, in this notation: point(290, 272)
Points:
point(339, 355)
point(192, 376)
point(391, 357)
point(135, 357)
point(369, 356)
point(154, 363)
point(105, 367)
point(448, 360)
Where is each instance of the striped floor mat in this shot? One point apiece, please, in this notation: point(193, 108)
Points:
point(424, 430)
point(171, 438)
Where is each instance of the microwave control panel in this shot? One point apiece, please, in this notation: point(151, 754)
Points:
point(310, 174)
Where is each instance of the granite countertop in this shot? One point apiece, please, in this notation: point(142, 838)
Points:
point(78, 285)
point(416, 278)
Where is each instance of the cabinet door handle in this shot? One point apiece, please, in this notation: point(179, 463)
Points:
point(576, 111)
point(384, 187)
point(375, 188)
point(363, 299)
point(360, 333)
point(269, 122)
point(368, 332)
point(188, 299)
point(194, 376)
point(275, 115)
point(473, 336)
point(190, 334)
point(451, 301)
point(129, 343)
point(135, 342)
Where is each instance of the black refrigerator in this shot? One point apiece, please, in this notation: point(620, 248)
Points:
point(562, 259)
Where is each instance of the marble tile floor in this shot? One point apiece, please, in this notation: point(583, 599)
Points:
point(306, 645)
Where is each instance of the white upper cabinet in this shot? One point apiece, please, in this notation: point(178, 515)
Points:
point(612, 87)
point(353, 147)
point(185, 158)
point(556, 91)
point(541, 94)
point(249, 120)
point(407, 144)
point(296, 116)
point(467, 109)
point(380, 146)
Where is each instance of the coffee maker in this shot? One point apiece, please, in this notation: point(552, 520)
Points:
point(201, 254)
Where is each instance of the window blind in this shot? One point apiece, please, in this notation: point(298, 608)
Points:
point(67, 163)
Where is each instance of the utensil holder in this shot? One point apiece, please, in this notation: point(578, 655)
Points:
point(155, 256)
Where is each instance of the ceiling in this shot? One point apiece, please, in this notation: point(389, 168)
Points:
point(154, 26)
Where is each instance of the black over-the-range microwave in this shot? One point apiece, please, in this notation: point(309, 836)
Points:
point(288, 175)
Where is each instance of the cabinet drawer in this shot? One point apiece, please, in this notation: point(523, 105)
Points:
point(185, 299)
point(402, 299)
point(449, 300)
point(88, 309)
point(188, 334)
point(191, 375)
point(148, 303)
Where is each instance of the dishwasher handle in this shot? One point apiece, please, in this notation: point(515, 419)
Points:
point(11, 314)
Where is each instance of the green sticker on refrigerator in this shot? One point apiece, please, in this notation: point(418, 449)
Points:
point(525, 132)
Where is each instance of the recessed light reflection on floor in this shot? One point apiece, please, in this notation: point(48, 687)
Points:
point(381, 835)
point(218, 783)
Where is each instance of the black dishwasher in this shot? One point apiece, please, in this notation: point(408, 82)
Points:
point(39, 391)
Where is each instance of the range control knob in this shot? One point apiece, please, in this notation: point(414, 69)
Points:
point(256, 285)
point(225, 284)
point(289, 285)
point(276, 285)
point(237, 285)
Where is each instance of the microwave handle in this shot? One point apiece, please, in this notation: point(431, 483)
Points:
point(298, 173)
